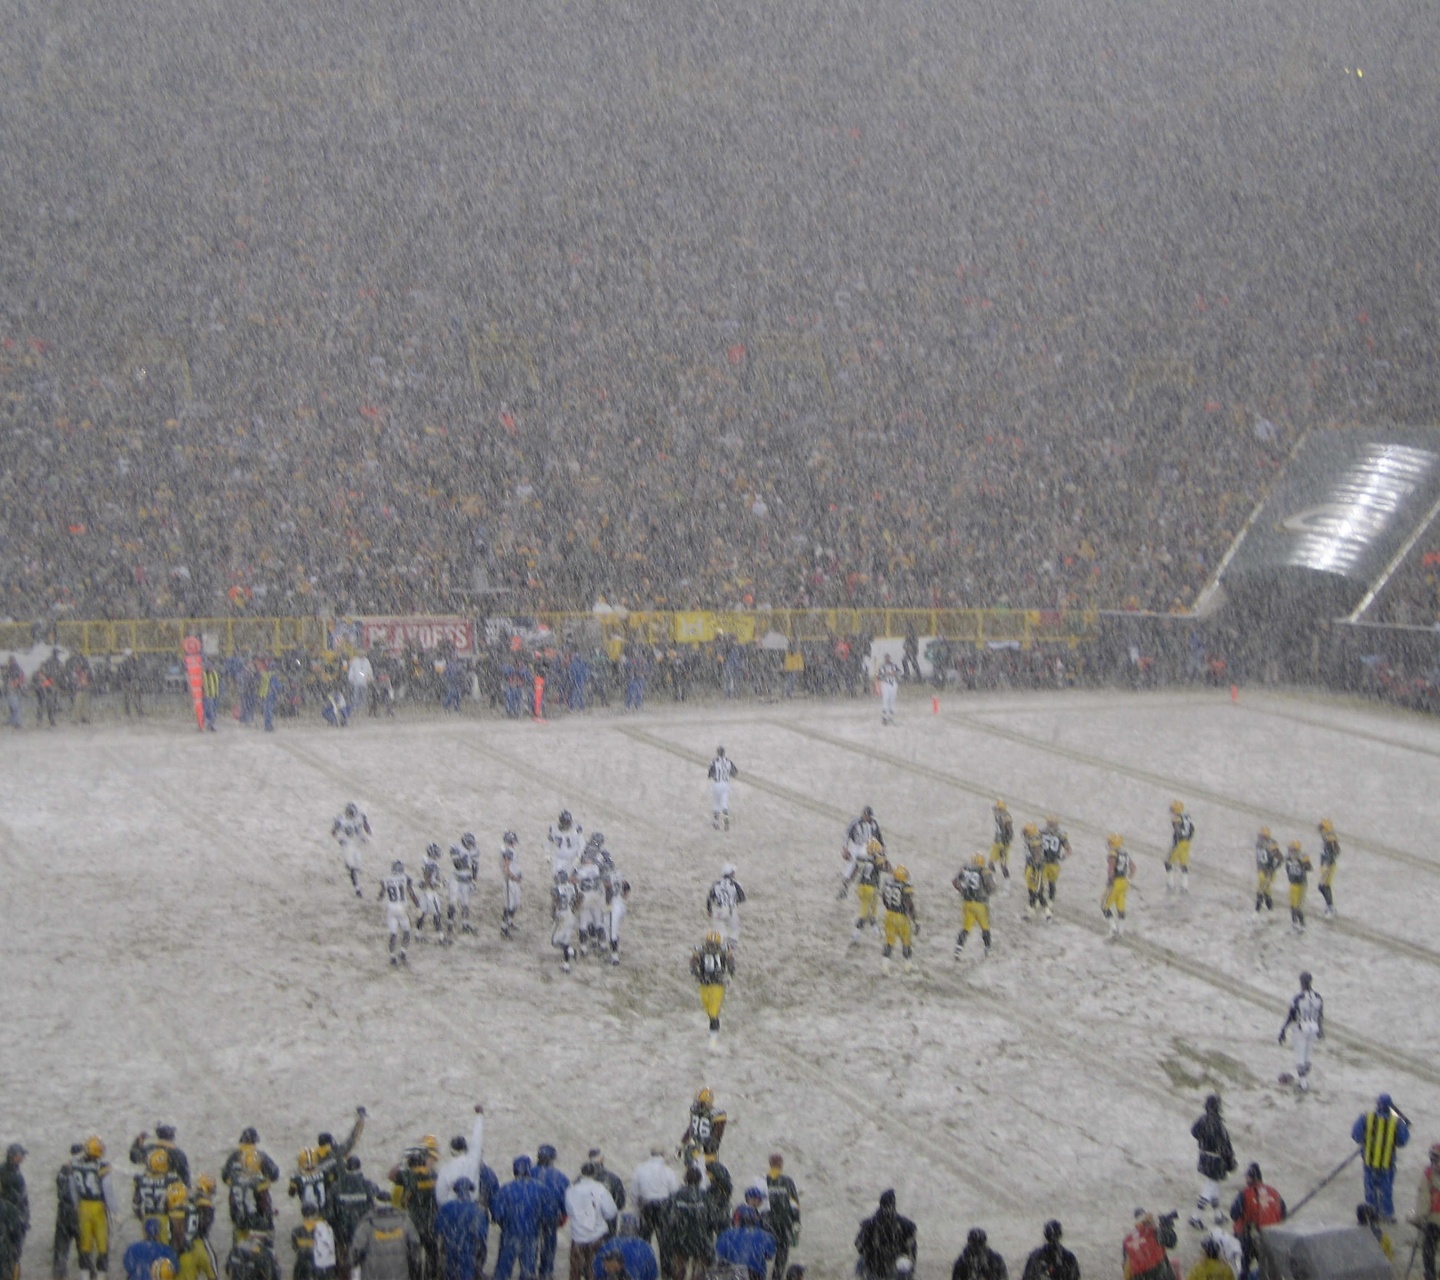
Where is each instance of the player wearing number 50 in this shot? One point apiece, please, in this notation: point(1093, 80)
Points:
point(722, 769)
point(711, 967)
point(1055, 848)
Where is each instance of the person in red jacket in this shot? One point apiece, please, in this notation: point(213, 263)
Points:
point(1145, 1257)
point(1258, 1205)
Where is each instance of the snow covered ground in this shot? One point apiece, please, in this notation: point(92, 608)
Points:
point(180, 944)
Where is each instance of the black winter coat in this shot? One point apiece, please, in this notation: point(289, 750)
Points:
point(1217, 1156)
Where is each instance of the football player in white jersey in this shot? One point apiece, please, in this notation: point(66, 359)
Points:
point(722, 769)
point(464, 866)
point(593, 909)
point(889, 677)
point(510, 879)
point(398, 894)
point(722, 905)
point(564, 900)
point(617, 895)
point(565, 844)
point(352, 829)
point(595, 846)
point(431, 884)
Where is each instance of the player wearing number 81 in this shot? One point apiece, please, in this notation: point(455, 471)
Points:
point(397, 892)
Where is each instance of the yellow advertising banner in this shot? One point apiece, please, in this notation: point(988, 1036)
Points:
point(693, 628)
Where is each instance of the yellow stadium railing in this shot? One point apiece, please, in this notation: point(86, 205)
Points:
point(163, 635)
point(977, 627)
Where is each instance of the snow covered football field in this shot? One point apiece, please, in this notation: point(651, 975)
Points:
point(180, 944)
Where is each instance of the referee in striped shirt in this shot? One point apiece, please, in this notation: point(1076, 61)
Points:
point(722, 769)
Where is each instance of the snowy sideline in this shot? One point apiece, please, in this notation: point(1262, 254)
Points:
point(182, 946)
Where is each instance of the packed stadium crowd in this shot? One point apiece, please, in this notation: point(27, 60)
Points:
point(738, 374)
point(889, 478)
point(112, 513)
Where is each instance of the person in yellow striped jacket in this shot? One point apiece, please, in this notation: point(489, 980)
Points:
point(1381, 1133)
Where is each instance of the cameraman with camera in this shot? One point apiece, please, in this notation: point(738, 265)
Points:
point(1144, 1248)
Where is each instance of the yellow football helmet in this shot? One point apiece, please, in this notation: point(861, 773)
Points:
point(706, 1097)
point(431, 1144)
point(205, 1184)
point(1115, 841)
point(1031, 830)
point(874, 847)
point(307, 1159)
point(1327, 828)
point(902, 875)
point(713, 938)
point(978, 860)
point(999, 806)
point(1052, 821)
point(1264, 833)
point(162, 1269)
point(1294, 846)
point(175, 1195)
point(94, 1148)
point(1176, 808)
